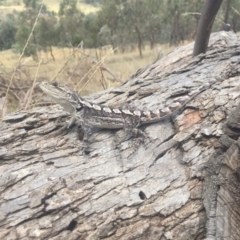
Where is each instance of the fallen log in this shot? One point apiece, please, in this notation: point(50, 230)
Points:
point(181, 183)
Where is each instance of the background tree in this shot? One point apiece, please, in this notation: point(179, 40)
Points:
point(7, 31)
point(46, 33)
point(25, 26)
point(2, 2)
point(135, 12)
point(91, 31)
point(123, 24)
point(71, 23)
point(109, 16)
point(229, 12)
point(209, 12)
point(153, 23)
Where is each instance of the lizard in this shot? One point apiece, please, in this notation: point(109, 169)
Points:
point(90, 114)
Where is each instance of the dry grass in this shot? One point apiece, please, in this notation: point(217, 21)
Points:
point(126, 64)
point(52, 5)
point(122, 64)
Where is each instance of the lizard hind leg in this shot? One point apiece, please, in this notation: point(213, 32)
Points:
point(138, 135)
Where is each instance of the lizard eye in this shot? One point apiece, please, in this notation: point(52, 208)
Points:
point(69, 95)
point(79, 108)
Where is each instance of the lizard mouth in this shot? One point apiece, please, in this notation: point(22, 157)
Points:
point(51, 89)
point(54, 91)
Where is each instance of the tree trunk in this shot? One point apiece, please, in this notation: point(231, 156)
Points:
point(181, 183)
point(204, 28)
point(139, 37)
point(51, 52)
point(226, 15)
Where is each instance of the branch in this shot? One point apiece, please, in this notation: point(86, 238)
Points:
point(208, 15)
point(103, 67)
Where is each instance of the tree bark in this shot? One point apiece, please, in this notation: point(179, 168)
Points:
point(181, 183)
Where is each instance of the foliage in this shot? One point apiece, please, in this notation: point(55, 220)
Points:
point(140, 21)
point(7, 32)
point(21, 38)
point(71, 23)
point(2, 2)
point(92, 28)
point(25, 26)
point(92, 2)
point(228, 15)
point(123, 24)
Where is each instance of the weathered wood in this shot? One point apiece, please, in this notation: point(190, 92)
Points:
point(163, 190)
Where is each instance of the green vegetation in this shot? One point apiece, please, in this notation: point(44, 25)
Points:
point(122, 24)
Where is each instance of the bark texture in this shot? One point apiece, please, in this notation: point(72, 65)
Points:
point(181, 183)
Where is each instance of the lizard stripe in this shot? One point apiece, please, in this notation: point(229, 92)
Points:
point(146, 114)
point(87, 104)
point(175, 106)
point(96, 107)
point(116, 110)
point(137, 113)
point(156, 113)
point(165, 111)
point(107, 109)
point(126, 111)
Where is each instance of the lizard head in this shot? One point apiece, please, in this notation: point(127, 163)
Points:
point(63, 95)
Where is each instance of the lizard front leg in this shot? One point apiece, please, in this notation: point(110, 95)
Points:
point(130, 127)
point(87, 131)
point(71, 122)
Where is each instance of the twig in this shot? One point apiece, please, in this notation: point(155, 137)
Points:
point(97, 66)
point(236, 11)
point(71, 73)
point(102, 79)
point(74, 50)
point(190, 13)
point(33, 85)
point(197, 13)
point(13, 88)
point(89, 78)
point(103, 67)
point(23, 51)
point(13, 94)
